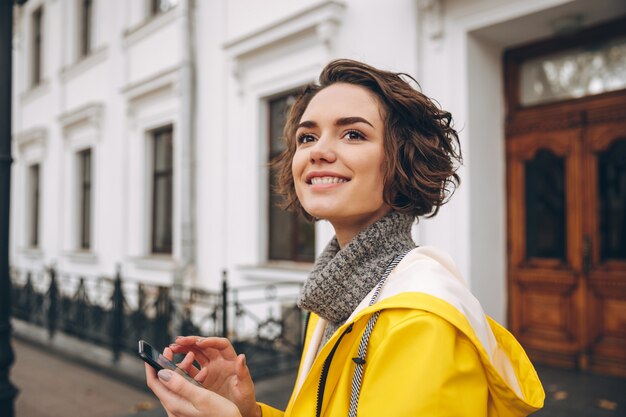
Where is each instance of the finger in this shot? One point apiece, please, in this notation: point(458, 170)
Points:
point(173, 403)
point(199, 355)
point(187, 364)
point(150, 374)
point(241, 368)
point(179, 386)
point(167, 352)
point(187, 340)
point(201, 376)
point(189, 399)
point(215, 347)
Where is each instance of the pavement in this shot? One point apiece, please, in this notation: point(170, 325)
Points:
point(55, 386)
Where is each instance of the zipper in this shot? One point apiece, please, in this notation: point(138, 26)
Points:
point(325, 369)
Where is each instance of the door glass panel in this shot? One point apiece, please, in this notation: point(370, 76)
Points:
point(545, 206)
point(578, 72)
point(612, 190)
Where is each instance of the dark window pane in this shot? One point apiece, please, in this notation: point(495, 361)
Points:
point(85, 27)
point(85, 198)
point(34, 177)
point(37, 28)
point(545, 206)
point(612, 190)
point(306, 240)
point(160, 6)
point(162, 192)
point(291, 237)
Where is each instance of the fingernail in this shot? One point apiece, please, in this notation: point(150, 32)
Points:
point(173, 345)
point(178, 337)
point(244, 360)
point(165, 374)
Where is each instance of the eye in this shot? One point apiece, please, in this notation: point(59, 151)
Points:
point(354, 135)
point(305, 138)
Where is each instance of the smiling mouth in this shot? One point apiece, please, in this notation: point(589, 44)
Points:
point(327, 180)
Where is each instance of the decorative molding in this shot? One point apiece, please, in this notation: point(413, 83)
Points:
point(36, 91)
point(169, 78)
point(147, 27)
point(91, 114)
point(433, 18)
point(321, 21)
point(84, 64)
point(36, 136)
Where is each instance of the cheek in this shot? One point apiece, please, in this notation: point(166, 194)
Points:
point(297, 167)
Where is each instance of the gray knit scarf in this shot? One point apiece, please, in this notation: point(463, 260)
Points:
point(341, 278)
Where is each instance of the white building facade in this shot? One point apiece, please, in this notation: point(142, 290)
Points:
point(143, 129)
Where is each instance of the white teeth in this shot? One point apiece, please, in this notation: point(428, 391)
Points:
point(327, 180)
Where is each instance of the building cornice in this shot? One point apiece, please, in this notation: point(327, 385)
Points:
point(90, 113)
point(34, 137)
point(320, 21)
point(169, 78)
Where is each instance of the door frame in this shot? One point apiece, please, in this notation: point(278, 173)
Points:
point(578, 117)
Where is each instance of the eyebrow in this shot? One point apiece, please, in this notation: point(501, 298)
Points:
point(343, 121)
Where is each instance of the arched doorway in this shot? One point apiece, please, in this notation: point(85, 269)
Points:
point(566, 198)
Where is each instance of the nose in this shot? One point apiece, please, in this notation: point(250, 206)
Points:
point(323, 151)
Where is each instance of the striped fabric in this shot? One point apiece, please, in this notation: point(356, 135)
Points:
point(357, 378)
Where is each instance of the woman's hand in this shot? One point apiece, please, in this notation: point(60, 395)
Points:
point(180, 398)
point(221, 370)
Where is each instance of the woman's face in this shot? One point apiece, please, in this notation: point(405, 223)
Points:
point(338, 163)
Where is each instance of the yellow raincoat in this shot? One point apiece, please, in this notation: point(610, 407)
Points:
point(433, 352)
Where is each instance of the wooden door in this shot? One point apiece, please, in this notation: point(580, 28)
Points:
point(566, 202)
point(545, 237)
point(604, 247)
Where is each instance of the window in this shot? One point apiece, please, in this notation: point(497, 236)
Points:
point(36, 49)
point(160, 6)
point(33, 205)
point(85, 199)
point(162, 171)
point(291, 237)
point(86, 23)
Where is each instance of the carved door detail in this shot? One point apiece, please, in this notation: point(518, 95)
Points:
point(545, 234)
point(604, 268)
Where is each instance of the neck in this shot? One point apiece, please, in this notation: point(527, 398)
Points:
point(341, 277)
point(346, 230)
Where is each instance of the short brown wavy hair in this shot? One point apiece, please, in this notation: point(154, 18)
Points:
point(421, 147)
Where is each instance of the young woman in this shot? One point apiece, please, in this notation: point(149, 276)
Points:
point(393, 329)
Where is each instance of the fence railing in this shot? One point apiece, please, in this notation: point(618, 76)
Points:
point(261, 320)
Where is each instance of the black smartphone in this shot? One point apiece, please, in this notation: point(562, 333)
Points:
point(156, 359)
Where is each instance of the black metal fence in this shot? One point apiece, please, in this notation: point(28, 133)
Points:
point(261, 320)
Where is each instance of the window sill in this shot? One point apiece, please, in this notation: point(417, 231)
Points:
point(273, 271)
point(32, 252)
point(150, 25)
point(82, 257)
point(155, 263)
point(36, 91)
point(83, 64)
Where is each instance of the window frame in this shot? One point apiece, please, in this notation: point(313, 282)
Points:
point(295, 219)
point(85, 198)
point(36, 56)
point(34, 205)
point(154, 7)
point(156, 176)
point(85, 28)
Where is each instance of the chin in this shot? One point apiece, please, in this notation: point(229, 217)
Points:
point(320, 213)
